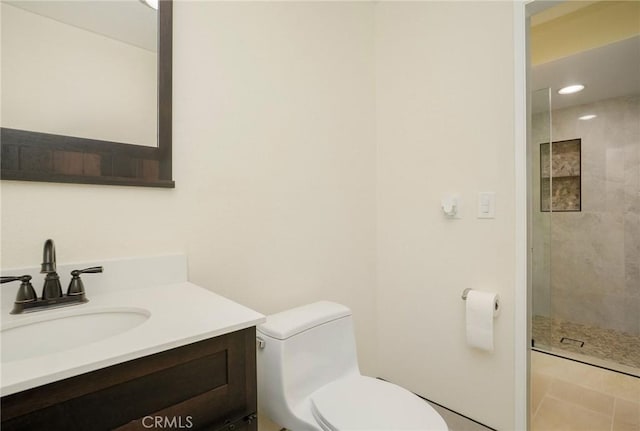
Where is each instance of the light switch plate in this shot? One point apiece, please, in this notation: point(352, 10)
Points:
point(487, 205)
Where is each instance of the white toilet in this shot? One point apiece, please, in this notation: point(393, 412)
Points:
point(308, 377)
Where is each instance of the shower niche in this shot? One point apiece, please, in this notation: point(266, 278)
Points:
point(560, 176)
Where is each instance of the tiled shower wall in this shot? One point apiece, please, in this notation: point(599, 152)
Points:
point(587, 264)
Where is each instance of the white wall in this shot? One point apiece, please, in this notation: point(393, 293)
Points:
point(274, 162)
point(276, 106)
point(61, 79)
point(312, 142)
point(445, 95)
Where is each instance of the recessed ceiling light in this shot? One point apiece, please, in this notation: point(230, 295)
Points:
point(571, 89)
point(588, 117)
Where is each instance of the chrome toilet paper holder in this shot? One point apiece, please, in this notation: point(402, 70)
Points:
point(466, 292)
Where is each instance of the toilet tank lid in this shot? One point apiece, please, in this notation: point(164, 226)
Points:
point(296, 320)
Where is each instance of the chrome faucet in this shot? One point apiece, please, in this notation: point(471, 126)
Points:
point(52, 296)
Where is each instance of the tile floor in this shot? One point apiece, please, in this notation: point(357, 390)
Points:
point(568, 395)
point(455, 422)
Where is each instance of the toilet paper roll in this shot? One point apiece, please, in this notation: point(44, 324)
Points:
point(481, 308)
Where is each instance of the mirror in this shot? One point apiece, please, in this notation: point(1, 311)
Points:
point(99, 57)
point(87, 92)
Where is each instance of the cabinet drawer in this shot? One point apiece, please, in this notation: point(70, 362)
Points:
point(197, 386)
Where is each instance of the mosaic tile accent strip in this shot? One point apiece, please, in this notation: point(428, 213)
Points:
point(606, 344)
point(566, 194)
point(565, 189)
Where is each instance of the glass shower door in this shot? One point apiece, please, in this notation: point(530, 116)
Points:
point(540, 148)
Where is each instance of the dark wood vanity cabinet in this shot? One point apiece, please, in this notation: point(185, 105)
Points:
point(207, 385)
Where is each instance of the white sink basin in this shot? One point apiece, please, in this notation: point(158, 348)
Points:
point(43, 335)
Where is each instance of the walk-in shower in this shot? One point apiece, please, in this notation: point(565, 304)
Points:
point(584, 184)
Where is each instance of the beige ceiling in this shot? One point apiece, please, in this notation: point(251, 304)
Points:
point(573, 27)
point(596, 44)
point(558, 11)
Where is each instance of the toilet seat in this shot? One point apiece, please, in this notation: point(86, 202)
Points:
point(364, 403)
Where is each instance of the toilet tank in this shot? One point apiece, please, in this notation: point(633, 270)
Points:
point(304, 349)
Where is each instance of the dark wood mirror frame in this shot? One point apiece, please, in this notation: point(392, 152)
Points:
point(35, 156)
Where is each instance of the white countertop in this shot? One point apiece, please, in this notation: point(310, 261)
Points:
point(180, 313)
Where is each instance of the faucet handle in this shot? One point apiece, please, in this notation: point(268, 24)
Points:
point(76, 287)
point(7, 279)
point(26, 293)
point(92, 270)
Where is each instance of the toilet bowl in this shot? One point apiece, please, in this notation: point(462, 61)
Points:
point(308, 377)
